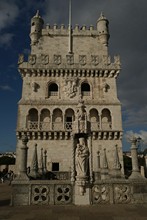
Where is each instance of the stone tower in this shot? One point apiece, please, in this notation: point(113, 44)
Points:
point(69, 105)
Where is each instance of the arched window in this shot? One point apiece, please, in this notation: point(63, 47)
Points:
point(53, 89)
point(32, 122)
point(69, 118)
point(94, 119)
point(106, 119)
point(85, 89)
point(45, 119)
point(57, 120)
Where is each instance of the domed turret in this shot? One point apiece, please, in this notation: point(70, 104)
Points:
point(103, 30)
point(36, 28)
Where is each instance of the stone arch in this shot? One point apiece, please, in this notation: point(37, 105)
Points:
point(106, 119)
point(32, 119)
point(57, 119)
point(94, 119)
point(45, 119)
point(69, 118)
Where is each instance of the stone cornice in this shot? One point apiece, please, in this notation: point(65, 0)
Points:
point(63, 135)
point(63, 102)
point(27, 70)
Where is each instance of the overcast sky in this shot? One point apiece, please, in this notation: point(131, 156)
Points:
point(128, 38)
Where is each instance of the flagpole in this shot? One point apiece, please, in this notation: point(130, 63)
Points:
point(70, 27)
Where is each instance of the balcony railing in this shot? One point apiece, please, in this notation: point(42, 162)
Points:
point(57, 126)
point(32, 125)
point(85, 93)
point(68, 126)
point(53, 93)
point(45, 126)
point(95, 126)
point(106, 125)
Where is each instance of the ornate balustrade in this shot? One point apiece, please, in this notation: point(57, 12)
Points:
point(32, 125)
point(68, 126)
point(57, 126)
point(45, 126)
point(95, 126)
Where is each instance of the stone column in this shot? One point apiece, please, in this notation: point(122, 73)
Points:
point(135, 166)
point(100, 120)
point(51, 121)
point(73, 159)
point(90, 158)
point(45, 161)
point(39, 115)
point(22, 172)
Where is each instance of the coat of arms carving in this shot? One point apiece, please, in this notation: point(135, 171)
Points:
point(44, 59)
point(70, 59)
point(71, 87)
point(20, 59)
point(82, 59)
point(95, 60)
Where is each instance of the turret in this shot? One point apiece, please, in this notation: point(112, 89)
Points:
point(36, 28)
point(103, 30)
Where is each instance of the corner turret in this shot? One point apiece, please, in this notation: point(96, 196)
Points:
point(36, 28)
point(103, 30)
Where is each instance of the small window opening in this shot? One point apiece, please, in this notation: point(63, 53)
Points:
point(55, 166)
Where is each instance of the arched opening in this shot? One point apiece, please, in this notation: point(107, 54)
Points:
point(45, 119)
point(85, 89)
point(106, 119)
point(32, 123)
point(94, 119)
point(57, 120)
point(53, 89)
point(69, 118)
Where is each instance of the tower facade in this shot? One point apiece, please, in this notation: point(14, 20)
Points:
point(69, 98)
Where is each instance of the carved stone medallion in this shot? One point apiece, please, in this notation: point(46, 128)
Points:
point(57, 59)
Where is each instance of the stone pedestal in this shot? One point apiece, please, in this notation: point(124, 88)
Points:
point(81, 199)
point(135, 167)
point(22, 172)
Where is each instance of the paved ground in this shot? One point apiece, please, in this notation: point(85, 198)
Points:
point(99, 212)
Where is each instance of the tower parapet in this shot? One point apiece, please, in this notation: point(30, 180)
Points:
point(36, 28)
